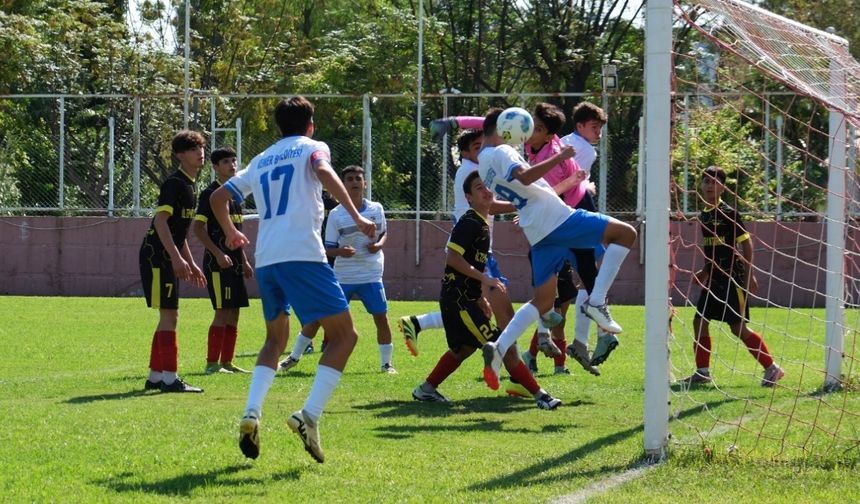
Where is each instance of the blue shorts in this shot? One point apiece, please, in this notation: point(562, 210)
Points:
point(372, 294)
point(492, 269)
point(583, 229)
point(309, 287)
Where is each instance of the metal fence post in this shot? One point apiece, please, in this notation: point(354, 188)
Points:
point(366, 144)
point(239, 142)
point(62, 167)
point(604, 164)
point(444, 205)
point(136, 162)
point(110, 164)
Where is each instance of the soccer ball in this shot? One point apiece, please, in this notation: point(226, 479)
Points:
point(515, 125)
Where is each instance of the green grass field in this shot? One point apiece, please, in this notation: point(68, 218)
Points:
point(77, 426)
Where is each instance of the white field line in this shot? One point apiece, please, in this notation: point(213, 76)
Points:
point(618, 479)
point(604, 485)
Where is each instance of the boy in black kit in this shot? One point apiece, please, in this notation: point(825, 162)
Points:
point(225, 269)
point(465, 311)
point(165, 259)
point(727, 279)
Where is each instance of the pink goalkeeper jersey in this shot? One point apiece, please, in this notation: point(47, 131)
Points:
point(560, 171)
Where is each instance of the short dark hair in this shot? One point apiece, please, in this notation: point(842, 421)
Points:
point(716, 172)
point(186, 140)
point(467, 184)
point(587, 111)
point(351, 169)
point(465, 139)
point(221, 153)
point(490, 119)
point(292, 115)
point(551, 116)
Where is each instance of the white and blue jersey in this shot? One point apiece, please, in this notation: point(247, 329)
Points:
point(341, 231)
point(539, 207)
point(551, 227)
point(288, 195)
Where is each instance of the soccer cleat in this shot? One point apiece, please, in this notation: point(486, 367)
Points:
point(389, 369)
point(492, 365)
point(518, 390)
point(579, 352)
point(606, 343)
point(152, 385)
point(530, 361)
point(309, 432)
point(215, 368)
point(309, 349)
point(600, 315)
point(180, 386)
point(428, 394)
point(561, 370)
point(547, 402)
point(232, 368)
point(409, 328)
point(697, 378)
point(553, 319)
point(288, 363)
point(772, 375)
point(547, 346)
point(249, 435)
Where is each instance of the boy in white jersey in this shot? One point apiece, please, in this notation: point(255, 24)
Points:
point(588, 122)
point(359, 265)
point(552, 230)
point(469, 144)
point(287, 180)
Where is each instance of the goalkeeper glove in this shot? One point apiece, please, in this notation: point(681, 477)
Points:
point(441, 127)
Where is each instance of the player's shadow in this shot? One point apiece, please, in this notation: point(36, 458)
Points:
point(410, 408)
point(545, 472)
point(111, 397)
point(470, 425)
point(186, 484)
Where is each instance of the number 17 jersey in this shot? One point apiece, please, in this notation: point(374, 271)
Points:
point(288, 195)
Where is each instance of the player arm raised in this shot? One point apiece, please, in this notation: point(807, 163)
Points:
point(332, 183)
point(527, 174)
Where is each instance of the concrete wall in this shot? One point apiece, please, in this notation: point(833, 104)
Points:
point(97, 256)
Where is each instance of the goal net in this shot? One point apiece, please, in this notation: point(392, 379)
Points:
point(773, 104)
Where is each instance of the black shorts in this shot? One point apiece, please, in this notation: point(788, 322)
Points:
point(226, 286)
point(466, 325)
point(723, 300)
point(160, 285)
point(566, 288)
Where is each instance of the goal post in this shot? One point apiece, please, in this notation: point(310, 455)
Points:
point(797, 75)
point(658, 115)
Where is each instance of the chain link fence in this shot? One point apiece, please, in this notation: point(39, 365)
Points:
point(108, 154)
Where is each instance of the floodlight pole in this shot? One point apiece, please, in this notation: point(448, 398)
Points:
point(658, 112)
point(418, 134)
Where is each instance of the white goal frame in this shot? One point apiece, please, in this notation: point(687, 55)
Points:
point(658, 114)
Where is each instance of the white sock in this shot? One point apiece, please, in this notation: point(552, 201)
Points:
point(155, 376)
point(539, 393)
point(431, 320)
point(385, 352)
point(302, 342)
point(582, 324)
point(612, 260)
point(261, 382)
point(542, 329)
point(523, 318)
point(324, 384)
point(168, 377)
